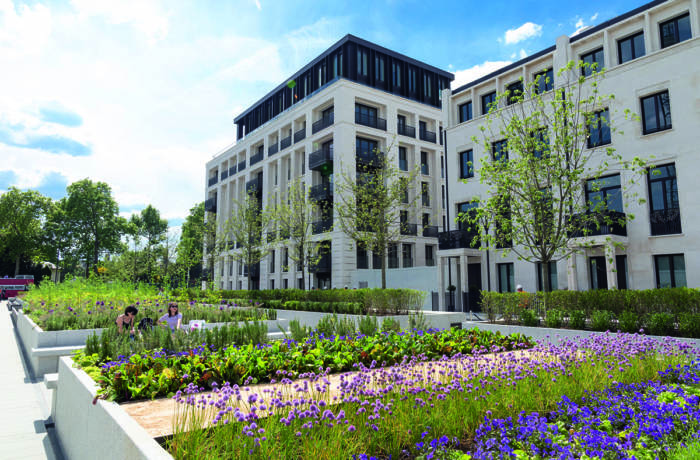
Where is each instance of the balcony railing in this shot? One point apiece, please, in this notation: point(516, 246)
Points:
point(213, 180)
point(300, 135)
point(254, 186)
point(241, 166)
point(319, 158)
point(323, 225)
point(210, 204)
point(258, 157)
point(408, 229)
point(430, 231)
point(597, 224)
point(456, 239)
point(232, 170)
point(406, 130)
point(286, 142)
point(271, 150)
point(323, 123)
point(665, 221)
point(224, 174)
point(324, 265)
point(372, 159)
point(428, 136)
point(371, 121)
point(321, 192)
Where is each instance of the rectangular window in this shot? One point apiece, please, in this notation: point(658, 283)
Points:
point(272, 261)
point(407, 255)
point(424, 167)
point(466, 164)
point(599, 129)
point(396, 74)
point(403, 159)
point(656, 112)
point(361, 258)
point(404, 190)
point(664, 208)
point(604, 194)
point(551, 271)
point(426, 220)
point(465, 112)
point(499, 149)
point(595, 61)
point(411, 80)
point(379, 68)
point(362, 67)
point(442, 167)
point(544, 81)
point(429, 255)
point(272, 284)
point(285, 261)
point(393, 253)
point(621, 264)
point(670, 271)
point(675, 30)
point(376, 260)
point(401, 123)
point(427, 86)
point(365, 115)
point(541, 143)
point(515, 92)
point(630, 48)
point(285, 284)
point(506, 277)
point(462, 209)
point(487, 101)
point(443, 196)
point(403, 217)
point(425, 194)
point(598, 272)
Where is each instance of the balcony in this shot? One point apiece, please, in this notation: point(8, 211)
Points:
point(408, 229)
point(321, 160)
point(210, 204)
point(371, 159)
point(258, 157)
point(254, 187)
point(372, 122)
point(321, 192)
point(428, 136)
point(241, 166)
point(457, 239)
point(300, 135)
point(406, 130)
point(224, 174)
point(213, 180)
point(430, 231)
point(286, 142)
point(321, 124)
point(232, 170)
point(599, 224)
point(322, 226)
point(324, 265)
point(665, 221)
point(271, 150)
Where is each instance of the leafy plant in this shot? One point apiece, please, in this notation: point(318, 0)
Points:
point(629, 321)
point(554, 318)
point(601, 320)
point(689, 325)
point(417, 322)
point(660, 324)
point(390, 325)
point(577, 319)
point(368, 325)
point(299, 332)
point(529, 318)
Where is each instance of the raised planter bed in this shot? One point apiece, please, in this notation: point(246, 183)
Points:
point(435, 319)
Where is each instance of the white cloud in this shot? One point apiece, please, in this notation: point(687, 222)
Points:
point(527, 30)
point(522, 54)
point(594, 17)
point(146, 16)
point(24, 30)
point(467, 75)
point(258, 5)
point(581, 24)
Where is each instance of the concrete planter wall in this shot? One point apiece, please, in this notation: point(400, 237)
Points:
point(103, 430)
point(439, 320)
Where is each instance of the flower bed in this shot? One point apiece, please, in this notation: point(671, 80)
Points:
point(149, 375)
point(394, 411)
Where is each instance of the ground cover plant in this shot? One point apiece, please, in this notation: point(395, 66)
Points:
point(412, 409)
point(160, 373)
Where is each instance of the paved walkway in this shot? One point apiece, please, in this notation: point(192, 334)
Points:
point(24, 403)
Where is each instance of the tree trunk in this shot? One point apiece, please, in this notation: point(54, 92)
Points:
point(384, 261)
point(544, 269)
point(17, 266)
point(96, 255)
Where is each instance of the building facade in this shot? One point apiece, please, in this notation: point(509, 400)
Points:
point(355, 99)
point(651, 57)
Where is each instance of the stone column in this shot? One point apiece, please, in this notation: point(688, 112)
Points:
point(572, 274)
point(441, 282)
point(463, 281)
point(610, 265)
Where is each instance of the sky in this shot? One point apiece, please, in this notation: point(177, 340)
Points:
point(141, 94)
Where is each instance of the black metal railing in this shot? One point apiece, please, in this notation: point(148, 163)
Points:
point(258, 157)
point(597, 224)
point(232, 170)
point(407, 262)
point(406, 130)
point(224, 174)
point(323, 123)
point(320, 157)
point(210, 204)
point(370, 158)
point(371, 121)
point(300, 135)
point(323, 225)
point(428, 136)
point(321, 192)
point(455, 239)
point(254, 186)
point(286, 142)
point(213, 180)
point(665, 221)
point(241, 166)
point(408, 229)
point(430, 231)
point(324, 265)
point(274, 148)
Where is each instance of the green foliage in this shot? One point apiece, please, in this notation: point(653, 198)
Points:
point(298, 331)
point(417, 322)
point(577, 319)
point(689, 325)
point(629, 321)
point(601, 320)
point(390, 325)
point(554, 318)
point(529, 318)
point(368, 325)
point(660, 324)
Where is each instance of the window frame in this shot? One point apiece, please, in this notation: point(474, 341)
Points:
point(676, 37)
point(403, 161)
point(500, 147)
point(466, 111)
point(672, 269)
point(486, 106)
point(509, 274)
point(547, 79)
point(604, 191)
point(600, 129)
point(635, 53)
point(424, 163)
point(470, 169)
point(512, 88)
point(553, 276)
point(657, 108)
point(588, 70)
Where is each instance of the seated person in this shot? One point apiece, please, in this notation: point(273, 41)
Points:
point(173, 319)
point(126, 322)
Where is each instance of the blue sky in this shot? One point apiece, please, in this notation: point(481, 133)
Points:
point(140, 94)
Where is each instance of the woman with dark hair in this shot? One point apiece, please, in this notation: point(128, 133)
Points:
point(173, 319)
point(127, 321)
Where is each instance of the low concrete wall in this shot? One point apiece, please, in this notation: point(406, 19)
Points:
point(102, 430)
point(439, 320)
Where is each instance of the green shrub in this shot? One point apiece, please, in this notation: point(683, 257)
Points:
point(554, 318)
point(390, 325)
point(577, 319)
point(345, 326)
point(601, 320)
point(326, 325)
point(368, 325)
point(629, 321)
point(660, 324)
point(529, 318)
point(299, 333)
point(689, 325)
point(417, 321)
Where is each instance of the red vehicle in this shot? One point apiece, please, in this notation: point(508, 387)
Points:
point(12, 286)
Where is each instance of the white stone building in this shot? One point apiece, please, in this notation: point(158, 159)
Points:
point(652, 61)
